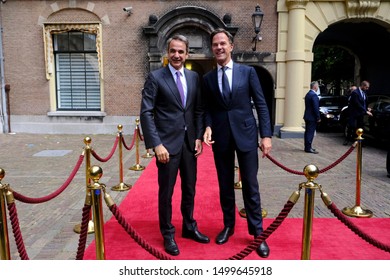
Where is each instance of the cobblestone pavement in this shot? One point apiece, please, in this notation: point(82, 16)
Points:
point(37, 165)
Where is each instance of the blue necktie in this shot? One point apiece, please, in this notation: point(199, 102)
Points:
point(180, 88)
point(225, 84)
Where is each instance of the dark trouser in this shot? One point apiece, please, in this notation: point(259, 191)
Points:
point(248, 165)
point(310, 129)
point(353, 125)
point(186, 162)
point(388, 163)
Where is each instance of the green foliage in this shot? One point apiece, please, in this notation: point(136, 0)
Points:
point(333, 66)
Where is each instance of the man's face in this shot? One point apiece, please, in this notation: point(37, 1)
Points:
point(222, 48)
point(177, 54)
point(365, 87)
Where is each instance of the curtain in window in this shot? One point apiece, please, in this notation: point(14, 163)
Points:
point(51, 29)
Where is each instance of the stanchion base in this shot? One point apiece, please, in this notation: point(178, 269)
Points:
point(148, 155)
point(91, 227)
point(121, 187)
point(242, 213)
point(357, 212)
point(137, 167)
point(238, 185)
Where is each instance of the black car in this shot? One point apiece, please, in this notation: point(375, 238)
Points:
point(377, 127)
point(330, 110)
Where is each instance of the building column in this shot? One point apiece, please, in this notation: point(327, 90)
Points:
point(295, 67)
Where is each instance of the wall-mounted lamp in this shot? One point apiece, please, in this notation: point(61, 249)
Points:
point(128, 10)
point(257, 19)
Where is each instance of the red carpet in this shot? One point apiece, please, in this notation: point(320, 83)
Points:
point(331, 240)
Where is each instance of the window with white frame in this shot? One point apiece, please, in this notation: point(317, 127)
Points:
point(77, 71)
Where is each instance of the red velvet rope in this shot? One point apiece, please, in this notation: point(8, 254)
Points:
point(111, 153)
point(30, 200)
point(83, 232)
point(271, 228)
point(16, 231)
point(140, 241)
point(339, 215)
point(344, 156)
point(132, 143)
point(141, 137)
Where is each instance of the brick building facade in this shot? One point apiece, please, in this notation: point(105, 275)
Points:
point(131, 45)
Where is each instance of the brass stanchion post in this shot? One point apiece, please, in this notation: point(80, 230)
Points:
point(96, 190)
point(4, 238)
point(121, 186)
point(87, 152)
point(238, 185)
point(311, 172)
point(148, 154)
point(357, 210)
point(137, 166)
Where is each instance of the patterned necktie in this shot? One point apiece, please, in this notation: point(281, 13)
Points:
point(225, 84)
point(180, 88)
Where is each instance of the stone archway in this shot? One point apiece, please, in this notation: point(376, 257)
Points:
point(194, 22)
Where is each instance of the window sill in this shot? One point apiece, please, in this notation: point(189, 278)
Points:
point(76, 114)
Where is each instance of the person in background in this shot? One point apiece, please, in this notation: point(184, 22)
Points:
point(388, 162)
point(172, 119)
point(311, 117)
point(231, 129)
point(357, 109)
point(348, 131)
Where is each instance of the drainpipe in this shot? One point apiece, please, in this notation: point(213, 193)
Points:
point(4, 100)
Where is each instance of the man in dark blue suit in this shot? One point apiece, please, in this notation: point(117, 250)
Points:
point(172, 120)
point(311, 117)
point(357, 108)
point(231, 129)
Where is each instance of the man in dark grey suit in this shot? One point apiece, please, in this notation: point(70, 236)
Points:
point(172, 123)
point(311, 117)
point(231, 129)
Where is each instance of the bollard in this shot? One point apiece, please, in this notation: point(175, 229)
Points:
point(137, 166)
point(357, 211)
point(311, 172)
point(4, 238)
point(96, 189)
point(87, 151)
point(121, 186)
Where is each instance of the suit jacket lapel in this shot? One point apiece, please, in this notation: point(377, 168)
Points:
point(236, 77)
point(172, 85)
point(190, 86)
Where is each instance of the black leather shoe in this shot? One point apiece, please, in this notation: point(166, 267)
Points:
point(263, 250)
point(171, 246)
point(224, 235)
point(196, 236)
point(312, 151)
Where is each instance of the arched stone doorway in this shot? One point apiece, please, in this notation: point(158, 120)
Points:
point(369, 43)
